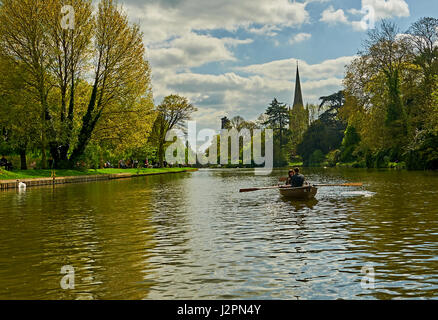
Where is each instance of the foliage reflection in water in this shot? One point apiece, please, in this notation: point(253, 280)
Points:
point(193, 236)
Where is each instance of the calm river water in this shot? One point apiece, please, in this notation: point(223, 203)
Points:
point(193, 236)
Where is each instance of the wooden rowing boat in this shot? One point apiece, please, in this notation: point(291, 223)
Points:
point(303, 193)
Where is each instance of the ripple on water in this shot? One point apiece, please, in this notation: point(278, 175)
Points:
point(195, 236)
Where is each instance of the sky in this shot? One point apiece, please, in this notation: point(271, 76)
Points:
point(233, 57)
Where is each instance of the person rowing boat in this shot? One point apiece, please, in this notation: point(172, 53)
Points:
point(295, 179)
point(296, 186)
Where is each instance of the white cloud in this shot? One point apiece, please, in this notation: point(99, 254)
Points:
point(193, 50)
point(285, 69)
point(248, 90)
point(160, 20)
point(371, 9)
point(300, 37)
point(180, 36)
point(266, 30)
point(332, 16)
point(172, 31)
point(388, 8)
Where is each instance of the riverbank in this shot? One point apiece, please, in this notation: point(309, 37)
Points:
point(8, 179)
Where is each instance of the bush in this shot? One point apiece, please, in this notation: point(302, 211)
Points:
point(347, 154)
point(349, 144)
point(333, 157)
point(370, 160)
point(360, 164)
point(397, 165)
point(316, 158)
point(381, 159)
point(425, 155)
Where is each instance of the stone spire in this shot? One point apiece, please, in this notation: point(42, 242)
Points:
point(299, 116)
point(298, 100)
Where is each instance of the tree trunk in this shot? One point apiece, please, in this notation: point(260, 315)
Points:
point(88, 123)
point(161, 154)
point(23, 159)
point(43, 152)
point(101, 166)
point(63, 150)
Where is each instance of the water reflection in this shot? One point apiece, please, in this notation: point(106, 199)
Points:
point(194, 236)
point(300, 205)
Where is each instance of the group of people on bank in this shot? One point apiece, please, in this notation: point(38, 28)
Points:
point(6, 164)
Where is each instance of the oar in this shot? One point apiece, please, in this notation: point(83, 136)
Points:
point(282, 179)
point(315, 185)
point(257, 189)
point(340, 185)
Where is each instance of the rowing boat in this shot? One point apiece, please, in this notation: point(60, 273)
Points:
point(303, 193)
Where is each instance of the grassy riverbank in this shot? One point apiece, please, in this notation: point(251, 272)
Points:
point(35, 174)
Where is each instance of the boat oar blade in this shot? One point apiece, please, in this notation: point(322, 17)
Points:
point(353, 184)
point(340, 185)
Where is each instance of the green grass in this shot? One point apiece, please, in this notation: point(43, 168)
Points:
point(295, 164)
point(32, 174)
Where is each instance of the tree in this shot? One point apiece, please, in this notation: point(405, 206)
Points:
point(349, 144)
point(298, 124)
point(278, 118)
point(19, 124)
point(70, 50)
point(387, 54)
point(121, 70)
point(322, 137)
point(237, 123)
point(331, 105)
point(389, 92)
point(325, 134)
point(81, 77)
point(424, 39)
point(171, 114)
point(23, 39)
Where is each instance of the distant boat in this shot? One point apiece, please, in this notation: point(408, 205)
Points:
point(303, 193)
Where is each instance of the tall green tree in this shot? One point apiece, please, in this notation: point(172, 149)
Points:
point(19, 117)
point(23, 40)
point(326, 133)
point(81, 77)
point(387, 53)
point(278, 118)
point(172, 113)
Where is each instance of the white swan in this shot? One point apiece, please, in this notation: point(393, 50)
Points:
point(21, 185)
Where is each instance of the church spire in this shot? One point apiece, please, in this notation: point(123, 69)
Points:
point(298, 100)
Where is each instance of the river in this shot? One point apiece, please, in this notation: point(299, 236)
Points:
point(194, 236)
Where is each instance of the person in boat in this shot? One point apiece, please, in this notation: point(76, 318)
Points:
point(289, 178)
point(297, 180)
